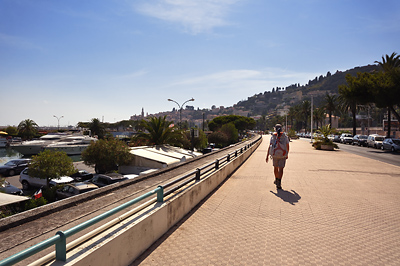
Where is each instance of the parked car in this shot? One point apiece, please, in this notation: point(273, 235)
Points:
point(74, 189)
point(360, 140)
point(375, 141)
point(336, 138)
point(29, 181)
point(346, 138)
point(391, 144)
point(6, 187)
point(82, 175)
point(102, 180)
point(14, 167)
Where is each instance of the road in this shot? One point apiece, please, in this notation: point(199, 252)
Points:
point(376, 154)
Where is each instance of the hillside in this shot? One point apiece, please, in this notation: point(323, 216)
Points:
point(263, 103)
point(276, 101)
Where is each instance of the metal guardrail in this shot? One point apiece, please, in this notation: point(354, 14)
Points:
point(60, 239)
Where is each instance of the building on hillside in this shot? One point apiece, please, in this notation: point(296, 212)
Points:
point(240, 112)
point(138, 117)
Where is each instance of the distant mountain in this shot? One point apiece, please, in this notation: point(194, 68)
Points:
point(264, 103)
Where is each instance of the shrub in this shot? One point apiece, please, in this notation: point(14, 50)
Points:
point(324, 140)
point(107, 155)
point(33, 203)
point(292, 134)
point(219, 138)
point(51, 164)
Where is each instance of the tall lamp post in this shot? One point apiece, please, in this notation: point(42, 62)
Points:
point(180, 109)
point(312, 114)
point(58, 119)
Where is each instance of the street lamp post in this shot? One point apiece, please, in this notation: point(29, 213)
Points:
point(180, 109)
point(58, 119)
point(312, 114)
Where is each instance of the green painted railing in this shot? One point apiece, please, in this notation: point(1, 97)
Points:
point(60, 239)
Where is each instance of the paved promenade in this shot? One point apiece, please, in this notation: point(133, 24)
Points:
point(335, 208)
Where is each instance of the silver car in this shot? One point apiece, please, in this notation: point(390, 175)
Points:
point(391, 144)
point(346, 138)
point(73, 189)
point(29, 181)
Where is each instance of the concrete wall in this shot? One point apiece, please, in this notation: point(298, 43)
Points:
point(125, 245)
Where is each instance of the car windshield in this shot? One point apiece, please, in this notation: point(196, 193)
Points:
point(11, 163)
point(396, 141)
point(363, 137)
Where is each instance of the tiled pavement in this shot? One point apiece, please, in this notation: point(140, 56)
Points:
point(335, 208)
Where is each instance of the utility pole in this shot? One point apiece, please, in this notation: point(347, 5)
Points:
point(312, 114)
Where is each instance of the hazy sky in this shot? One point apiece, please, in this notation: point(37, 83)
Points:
point(109, 58)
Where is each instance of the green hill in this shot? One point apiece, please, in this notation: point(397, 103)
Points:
point(264, 103)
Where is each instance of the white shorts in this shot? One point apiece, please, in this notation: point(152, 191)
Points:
point(279, 162)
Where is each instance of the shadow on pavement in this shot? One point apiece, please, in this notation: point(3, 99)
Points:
point(287, 196)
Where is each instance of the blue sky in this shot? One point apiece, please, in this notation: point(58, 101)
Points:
point(94, 58)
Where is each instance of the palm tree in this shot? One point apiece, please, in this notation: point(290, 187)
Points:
point(159, 131)
point(349, 101)
point(319, 116)
point(330, 105)
point(97, 128)
point(389, 64)
point(306, 112)
point(27, 129)
point(295, 116)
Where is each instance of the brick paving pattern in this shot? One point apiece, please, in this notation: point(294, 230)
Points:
point(335, 208)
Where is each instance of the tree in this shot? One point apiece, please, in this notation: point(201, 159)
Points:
point(352, 96)
point(389, 62)
point(319, 116)
point(294, 116)
point(27, 129)
point(240, 122)
point(219, 138)
point(388, 87)
point(261, 123)
point(199, 142)
point(97, 128)
point(330, 105)
point(158, 131)
point(306, 112)
point(50, 164)
point(107, 155)
point(12, 131)
point(230, 131)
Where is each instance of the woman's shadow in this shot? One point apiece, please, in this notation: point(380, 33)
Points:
point(287, 196)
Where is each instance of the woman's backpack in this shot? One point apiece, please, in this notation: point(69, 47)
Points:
point(277, 150)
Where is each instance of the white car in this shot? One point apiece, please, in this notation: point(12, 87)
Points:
point(28, 181)
point(375, 141)
point(346, 138)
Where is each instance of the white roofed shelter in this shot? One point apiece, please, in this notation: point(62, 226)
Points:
point(156, 157)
